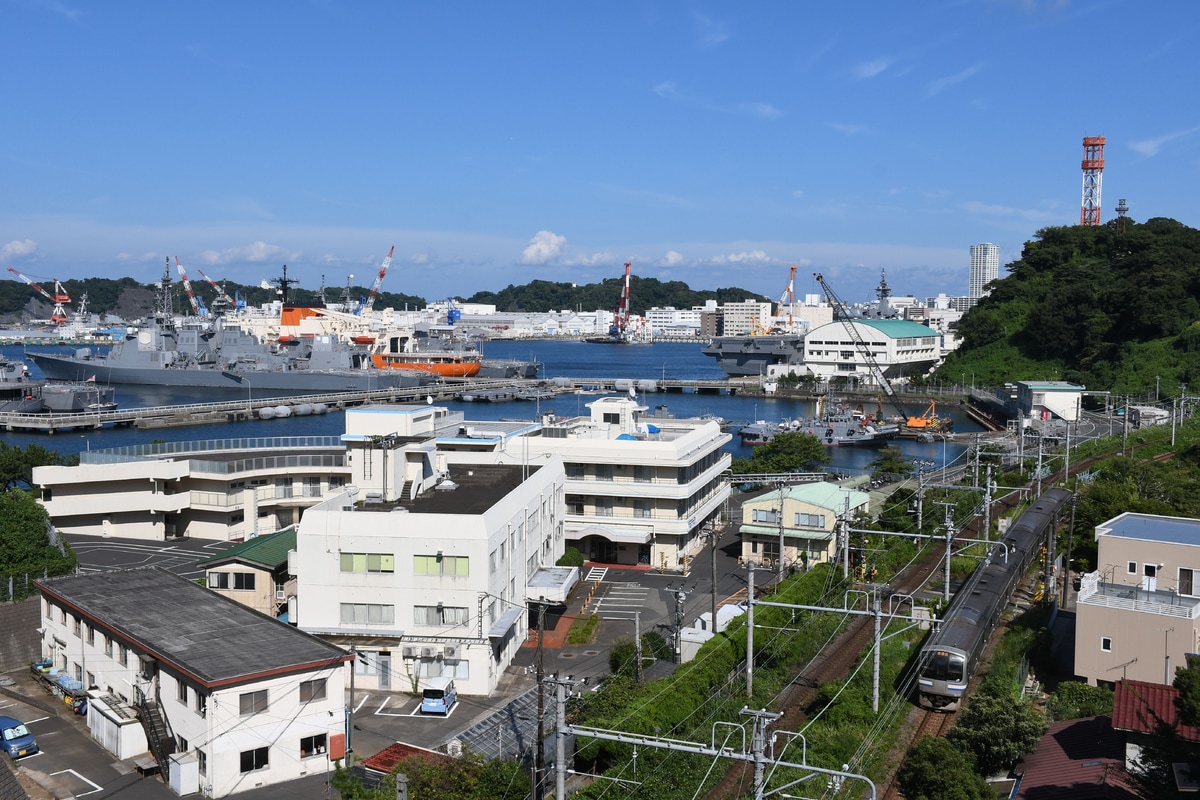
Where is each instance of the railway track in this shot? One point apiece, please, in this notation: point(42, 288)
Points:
point(840, 656)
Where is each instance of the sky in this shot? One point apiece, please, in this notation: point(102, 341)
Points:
point(499, 143)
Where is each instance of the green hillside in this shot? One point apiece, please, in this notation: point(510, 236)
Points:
point(1110, 309)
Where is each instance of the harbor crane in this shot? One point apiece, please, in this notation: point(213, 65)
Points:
point(222, 296)
point(788, 297)
point(60, 298)
point(370, 303)
point(197, 305)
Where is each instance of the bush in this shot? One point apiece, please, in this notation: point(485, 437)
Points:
point(571, 557)
point(1073, 700)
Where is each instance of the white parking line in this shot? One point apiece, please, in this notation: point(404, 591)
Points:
point(379, 712)
point(85, 780)
point(362, 702)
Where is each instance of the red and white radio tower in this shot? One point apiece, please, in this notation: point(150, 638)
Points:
point(1093, 169)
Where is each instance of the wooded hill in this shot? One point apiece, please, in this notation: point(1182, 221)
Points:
point(1111, 309)
point(129, 299)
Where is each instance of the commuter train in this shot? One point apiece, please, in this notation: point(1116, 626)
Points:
point(949, 657)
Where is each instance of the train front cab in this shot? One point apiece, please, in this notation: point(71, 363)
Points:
point(943, 681)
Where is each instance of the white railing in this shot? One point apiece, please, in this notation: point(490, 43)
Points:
point(1094, 593)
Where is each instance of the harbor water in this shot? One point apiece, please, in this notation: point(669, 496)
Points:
point(559, 359)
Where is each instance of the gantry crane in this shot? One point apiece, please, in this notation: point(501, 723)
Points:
point(60, 298)
point(370, 303)
point(222, 296)
point(789, 295)
point(197, 305)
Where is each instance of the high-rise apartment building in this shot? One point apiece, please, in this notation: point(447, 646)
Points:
point(985, 268)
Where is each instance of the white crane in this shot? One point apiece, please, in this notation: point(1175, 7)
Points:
point(369, 304)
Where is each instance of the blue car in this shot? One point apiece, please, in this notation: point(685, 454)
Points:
point(15, 738)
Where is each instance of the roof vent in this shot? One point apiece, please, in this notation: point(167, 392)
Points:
point(446, 486)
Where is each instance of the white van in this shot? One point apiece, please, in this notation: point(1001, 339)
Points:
point(439, 696)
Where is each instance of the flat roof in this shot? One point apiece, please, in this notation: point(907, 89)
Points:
point(477, 487)
point(214, 640)
point(1152, 528)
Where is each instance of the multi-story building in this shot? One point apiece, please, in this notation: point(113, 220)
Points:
point(985, 268)
point(428, 569)
point(901, 349)
point(255, 572)
point(225, 489)
point(746, 317)
point(1136, 615)
point(638, 490)
point(230, 699)
point(804, 517)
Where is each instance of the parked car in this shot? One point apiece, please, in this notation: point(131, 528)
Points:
point(15, 738)
point(439, 696)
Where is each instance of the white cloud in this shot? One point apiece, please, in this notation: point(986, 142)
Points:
point(672, 259)
point(798, 193)
point(712, 33)
point(544, 247)
point(1150, 147)
point(666, 89)
point(257, 252)
point(745, 258)
point(848, 129)
point(18, 249)
point(870, 69)
point(762, 110)
point(941, 84)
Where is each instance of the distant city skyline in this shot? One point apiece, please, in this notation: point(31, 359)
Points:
point(706, 143)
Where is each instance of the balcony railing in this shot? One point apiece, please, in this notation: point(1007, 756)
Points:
point(1094, 592)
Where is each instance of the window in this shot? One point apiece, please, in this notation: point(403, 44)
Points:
point(312, 690)
point(364, 663)
point(810, 520)
point(123, 655)
point(1132, 568)
point(91, 679)
point(181, 694)
point(75, 626)
point(336, 482)
point(575, 505)
point(368, 613)
point(202, 761)
point(574, 471)
point(252, 703)
point(439, 615)
point(604, 506)
point(604, 472)
point(312, 487)
point(91, 635)
point(642, 473)
point(642, 508)
point(1106, 644)
point(254, 759)
point(767, 515)
point(1185, 581)
point(368, 562)
point(108, 644)
point(240, 581)
point(183, 744)
point(455, 566)
point(312, 745)
point(202, 704)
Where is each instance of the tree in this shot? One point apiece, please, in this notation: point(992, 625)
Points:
point(787, 452)
point(934, 769)
point(1187, 702)
point(16, 463)
point(890, 462)
point(997, 729)
point(25, 546)
point(468, 777)
point(1075, 699)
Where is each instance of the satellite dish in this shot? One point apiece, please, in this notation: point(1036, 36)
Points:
point(429, 399)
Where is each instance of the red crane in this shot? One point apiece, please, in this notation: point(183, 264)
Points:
point(378, 282)
point(187, 287)
point(221, 295)
point(60, 298)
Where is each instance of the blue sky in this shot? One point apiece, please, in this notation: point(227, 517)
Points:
point(497, 143)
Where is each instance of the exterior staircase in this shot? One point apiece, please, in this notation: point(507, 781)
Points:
point(158, 733)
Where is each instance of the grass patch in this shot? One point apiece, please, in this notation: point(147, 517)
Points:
point(583, 629)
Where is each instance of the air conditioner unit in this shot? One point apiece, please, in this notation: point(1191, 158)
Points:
point(426, 652)
point(451, 652)
point(280, 594)
point(409, 652)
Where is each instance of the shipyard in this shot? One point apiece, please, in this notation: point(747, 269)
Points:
point(669, 402)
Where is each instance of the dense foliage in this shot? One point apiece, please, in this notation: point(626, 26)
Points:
point(17, 463)
point(1075, 700)
point(26, 550)
point(934, 769)
point(470, 777)
point(997, 729)
point(644, 293)
point(1108, 309)
point(787, 452)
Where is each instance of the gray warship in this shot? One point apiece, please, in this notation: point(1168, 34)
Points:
point(208, 353)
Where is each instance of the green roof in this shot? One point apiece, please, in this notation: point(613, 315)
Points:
point(899, 328)
point(822, 494)
point(268, 552)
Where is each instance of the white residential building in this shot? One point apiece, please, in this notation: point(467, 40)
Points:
point(746, 317)
point(223, 489)
point(232, 699)
point(985, 268)
point(428, 569)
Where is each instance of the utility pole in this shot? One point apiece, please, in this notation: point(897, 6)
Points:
point(680, 596)
point(921, 500)
point(637, 646)
point(987, 505)
point(1068, 584)
point(947, 524)
point(539, 757)
point(1039, 467)
point(779, 580)
point(712, 534)
point(758, 743)
point(750, 631)
point(350, 710)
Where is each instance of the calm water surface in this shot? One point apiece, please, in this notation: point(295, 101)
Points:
point(679, 361)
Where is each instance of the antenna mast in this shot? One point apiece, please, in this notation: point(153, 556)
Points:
point(1093, 169)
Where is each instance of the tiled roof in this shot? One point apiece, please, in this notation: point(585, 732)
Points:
point(215, 640)
point(10, 787)
point(1139, 706)
point(387, 758)
point(268, 552)
point(1079, 759)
